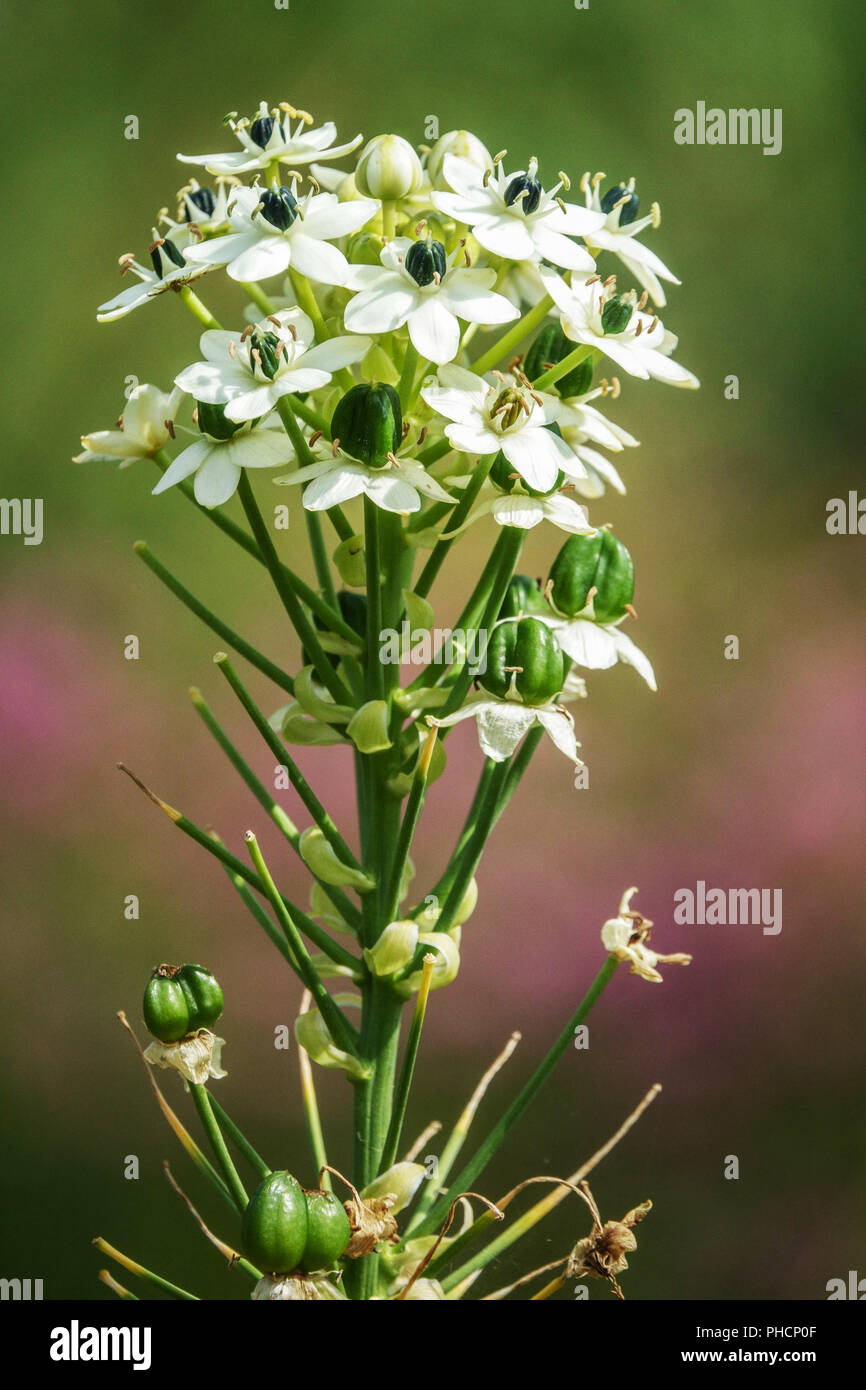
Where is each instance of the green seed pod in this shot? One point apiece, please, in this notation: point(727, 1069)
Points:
point(203, 993)
point(523, 596)
point(275, 1224)
point(524, 661)
point(180, 999)
point(328, 1231)
point(212, 420)
point(599, 562)
point(368, 422)
point(166, 1007)
point(548, 348)
point(616, 314)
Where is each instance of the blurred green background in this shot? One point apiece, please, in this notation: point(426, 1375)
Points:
point(743, 774)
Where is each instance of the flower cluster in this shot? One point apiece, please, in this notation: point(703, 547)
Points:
point(387, 275)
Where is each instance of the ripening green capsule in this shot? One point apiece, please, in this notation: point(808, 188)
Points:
point(275, 1224)
point(524, 662)
point(599, 562)
point(425, 260)
point(523, 597)
point(180, 999)
point(368, 422)
point(212, 421)
point(548, 348)
point(328, 1231)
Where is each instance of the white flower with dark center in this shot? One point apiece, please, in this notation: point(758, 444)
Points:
point(592, 312)
point(272, 229)
point(511, 215)
point(583, 426)
point(336, 477)
point(622, 225)
point(248, 372)
point(217, 459)
point(627, 937)
point(144, 427)
point(269, 136)
point(503, 723)
point(419, 286)
point(503, 413)
point(599, 646)
point(201, 212)
point(171, 271)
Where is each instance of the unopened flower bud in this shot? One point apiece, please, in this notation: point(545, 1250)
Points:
point(464, 145)
point(389, 169)
point(311, 1033)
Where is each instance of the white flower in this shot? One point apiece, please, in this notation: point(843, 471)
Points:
point(201, 212)
point(336, 477)
point(581, 426)
point(502, 724)
point(621, 227)
point(217, 463)
point(248, 372)
point(171, 271)
point(143, 428)
point(505, 414)
point(642, 346)
point(269, 137)
point(512, 216)
point(273, 229)
point(599, 646)
point(626, 937)
point(407, 289)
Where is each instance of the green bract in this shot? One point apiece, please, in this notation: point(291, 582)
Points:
point(328, 1231)
point(524, 661)
point(180, 999)
point(548, 348)
point(368, 422)
point(275, 1224)
point(598, 562)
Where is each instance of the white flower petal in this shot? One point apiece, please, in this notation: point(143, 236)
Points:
point(391, 493)
point(501, 726)
point(534, 453)
point(628, 652)
point(518, 510)
point(261, 258)
point(186, 463)
point(217, 479)
point(335, 486)
point(560, 726)
point(434, 331)
point(318, 260)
